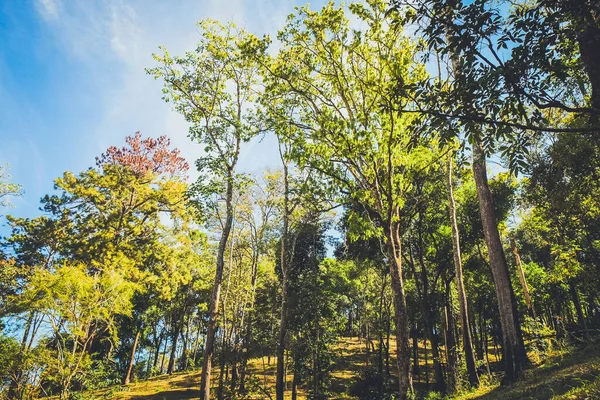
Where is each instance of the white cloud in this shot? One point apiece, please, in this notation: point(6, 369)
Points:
point(48, 9)
point(114, 40)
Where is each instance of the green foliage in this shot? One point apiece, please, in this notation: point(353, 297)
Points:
point(7, 188)
point(334, 119)
point(214, 87)
point(113, 282)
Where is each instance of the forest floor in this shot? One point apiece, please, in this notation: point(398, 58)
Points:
point(573, 374)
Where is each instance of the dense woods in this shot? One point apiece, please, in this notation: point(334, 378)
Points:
point(437, 200)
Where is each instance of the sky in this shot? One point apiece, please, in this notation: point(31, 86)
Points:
point(72, 81)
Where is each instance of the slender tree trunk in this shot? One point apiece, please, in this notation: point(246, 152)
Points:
point(380, 328)
point(186, 340)
point(157, 352)
point(400, 309)
point(575, 297)
point(284, 257)
point(37, 322)
point(216, 293)
point(248, 336)
point(426, 361)
point(132, 358)
point(429, 316)
point(415, 345)
point(451, 356)
point(295, 387)
point(589, 43)
point(173, 356)
point(16, 375)
point(440, 383)
point(367, 345)
point(476, 335)
point(387, 339)
point(27, 329)
point(522, 279)
point(460, 285)
point(196, 343)
point(487, 354)
point(164, 355)
point(515, 357)
point(222, 365)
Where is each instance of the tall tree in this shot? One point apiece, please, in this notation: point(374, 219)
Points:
point(470, 88)
point(214, 88)
point(335, 80)
point(460, 284)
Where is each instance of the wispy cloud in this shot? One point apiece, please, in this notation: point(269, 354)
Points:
point(48, 9)
point(114, 40)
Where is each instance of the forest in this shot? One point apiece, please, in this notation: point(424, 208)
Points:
point(432, 229)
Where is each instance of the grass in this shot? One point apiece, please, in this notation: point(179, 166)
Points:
point(573, 374)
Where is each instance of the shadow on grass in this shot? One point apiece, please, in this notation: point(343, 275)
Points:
point(571, 376)
point(171, 395)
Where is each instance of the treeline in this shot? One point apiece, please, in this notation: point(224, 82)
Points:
point(383, 137)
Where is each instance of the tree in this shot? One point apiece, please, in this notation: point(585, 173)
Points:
point(335, 80)
point(78, 306)
point(467, 73)
point(261, 217)
point(460, 285)
point(214, 88)
point(108, 221)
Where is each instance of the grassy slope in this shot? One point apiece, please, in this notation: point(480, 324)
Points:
point(573, 375)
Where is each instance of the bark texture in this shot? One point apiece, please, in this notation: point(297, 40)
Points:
point(132, 358)
point(400, 310)
point(284, 257)
point(513, 349)
point(460, 285)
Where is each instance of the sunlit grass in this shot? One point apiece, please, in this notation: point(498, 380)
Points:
point(564, 374)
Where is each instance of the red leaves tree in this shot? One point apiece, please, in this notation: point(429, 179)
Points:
point(145, 156)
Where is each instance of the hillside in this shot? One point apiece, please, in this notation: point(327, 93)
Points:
point(563, 375)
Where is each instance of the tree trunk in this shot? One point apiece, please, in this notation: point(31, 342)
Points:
point(216, 293)
point(589, 43)
point(284, 257)
point(295, 386)
point(515, 357)
point(522, 279)
point(164, 355)
point(186, 339)
point(248, 336)
point(16, 375)
point(451, 356)
point(415, 346)
point(426, 361)
point(132, 358)
point(171, 366)
point(460, 285)
point(394, 248)
point(157, 353)
point(387, 340)
point(575, 297)
point(440, 383)
point(476, 335)
point(197, 343)
point(222, 364)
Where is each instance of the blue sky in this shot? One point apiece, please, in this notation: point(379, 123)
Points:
point(72, 80)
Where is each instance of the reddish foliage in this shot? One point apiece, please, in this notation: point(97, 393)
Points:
point(146, 155)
